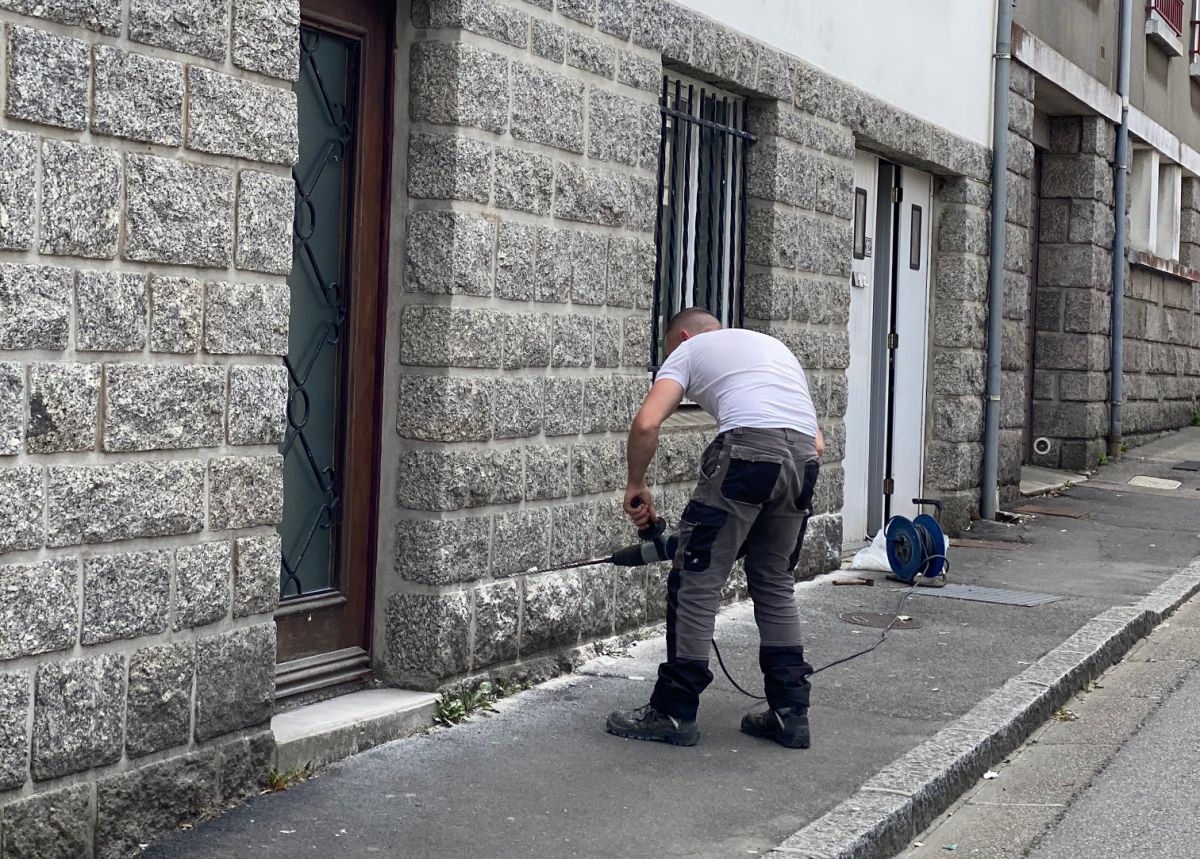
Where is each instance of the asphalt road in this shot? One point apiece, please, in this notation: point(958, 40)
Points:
point(1144, 803)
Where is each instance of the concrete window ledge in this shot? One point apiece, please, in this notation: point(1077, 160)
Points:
point(1161, 33)
point(1141, 259)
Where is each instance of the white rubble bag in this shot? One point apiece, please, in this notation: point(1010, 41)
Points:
point(873, 557)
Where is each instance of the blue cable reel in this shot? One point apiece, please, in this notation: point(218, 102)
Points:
point(916, 548)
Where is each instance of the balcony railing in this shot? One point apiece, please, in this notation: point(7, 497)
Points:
point(1171, 11)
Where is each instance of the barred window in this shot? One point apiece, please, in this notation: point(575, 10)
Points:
point(700, 234)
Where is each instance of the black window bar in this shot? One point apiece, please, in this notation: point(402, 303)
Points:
point(700, 234)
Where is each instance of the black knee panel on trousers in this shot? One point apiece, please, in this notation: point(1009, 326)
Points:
point(677, 692)
point(785, 676)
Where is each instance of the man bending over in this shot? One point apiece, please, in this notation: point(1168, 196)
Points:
point(754, 496)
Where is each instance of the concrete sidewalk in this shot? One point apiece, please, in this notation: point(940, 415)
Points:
point(541, 778)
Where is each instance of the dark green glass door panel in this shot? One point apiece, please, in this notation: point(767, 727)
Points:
point(316, 347)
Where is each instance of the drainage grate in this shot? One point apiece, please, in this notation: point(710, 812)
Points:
point(879, 620)
point(1189, 465)
point(992, 595)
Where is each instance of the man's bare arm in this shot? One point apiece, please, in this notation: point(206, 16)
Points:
point(662, 401)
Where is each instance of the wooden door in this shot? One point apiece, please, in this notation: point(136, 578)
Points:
point(331, 451)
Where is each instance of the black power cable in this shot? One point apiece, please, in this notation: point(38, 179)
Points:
point(882, 636)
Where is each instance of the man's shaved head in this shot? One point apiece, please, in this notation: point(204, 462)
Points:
point(688, 323)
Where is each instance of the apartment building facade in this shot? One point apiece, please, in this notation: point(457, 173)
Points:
point(323, 323)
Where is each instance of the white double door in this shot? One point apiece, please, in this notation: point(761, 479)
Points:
point(889, 345)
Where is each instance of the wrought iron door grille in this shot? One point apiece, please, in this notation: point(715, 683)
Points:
point(700, 234)
point(315, 363)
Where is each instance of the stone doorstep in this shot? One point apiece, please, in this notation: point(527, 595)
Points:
point(877, 823)
point(1037, 481)
point(320, 734)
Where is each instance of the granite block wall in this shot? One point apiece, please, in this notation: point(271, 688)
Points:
point(521, 334)
point(145, 211)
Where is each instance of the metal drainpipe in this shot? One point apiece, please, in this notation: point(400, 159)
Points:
point(1120, 184)
point(991, 429)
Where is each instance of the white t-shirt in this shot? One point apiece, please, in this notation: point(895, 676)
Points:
point(743, 379)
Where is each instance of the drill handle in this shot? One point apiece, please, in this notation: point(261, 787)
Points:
point(652, 531)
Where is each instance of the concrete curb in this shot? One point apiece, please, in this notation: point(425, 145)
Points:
point(901, 800)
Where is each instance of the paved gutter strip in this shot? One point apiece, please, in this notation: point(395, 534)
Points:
point(901, 800)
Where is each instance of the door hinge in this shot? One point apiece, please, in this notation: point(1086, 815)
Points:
point(889, 486)
point(897, 195)
point(893, 341)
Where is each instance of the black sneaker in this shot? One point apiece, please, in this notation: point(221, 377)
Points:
point(786, 726)
point(646, 723)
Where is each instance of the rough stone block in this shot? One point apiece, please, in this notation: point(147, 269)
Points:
point(245, 491)
point(231, 116)
point(547, 474)
point(77, 715)
point(202, 576)
point(551, 616)
point(102, 16)
point(963, 231)
point(608, 342)
point(12, 401)
point(235, 680)
point(594, 196)
point(960, 325)
point(178, 213)
point(47, 78)
point(590, 54)
point(244, 763)
point(81, 200)
point(158, 713)
point(453, 480)
point(596, 601)
point(588, 256)
point(427, 636)
point(163, 407)
point(441, 408)
point(962, 277)
point(497, 610)
point(679, 456)
point(442, 551)
point(549, 40)
point(111, 308)
point(175, 312)
point(266, 37)
point(521, 542)
point(258, 400)
point(547, 107)
point(583, 11)
point(523, 181)
point(773, 238)
point(519, 407)
point(14, 743)
point(125, 596)
point(199, 27)
point(959, 419)
point(450, 252)
point(953, 466)
point(138, 97)
point(485, 17)
point(514, 261)
point(133, 807)
point(103, 503)
point(630, 273)
point(440, 336)
point(564, 406)
point(442, 167)
point(54, 825)
point(552, 271)
point(39, 609)
point(18, 161)
point(571, 533)
point(265, 208)
point(458, 84)
point(571, 341)
point(526, 340)
point(643, 207)
point(597, 466)
point(21, 500)
point(35, 307)
point(667, 29)
point(1078, 176)
point(63, 402)
point(639, 72)
point(256, 575)
point(246, 318)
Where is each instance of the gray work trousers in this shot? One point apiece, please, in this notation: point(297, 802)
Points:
point(753, 498)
